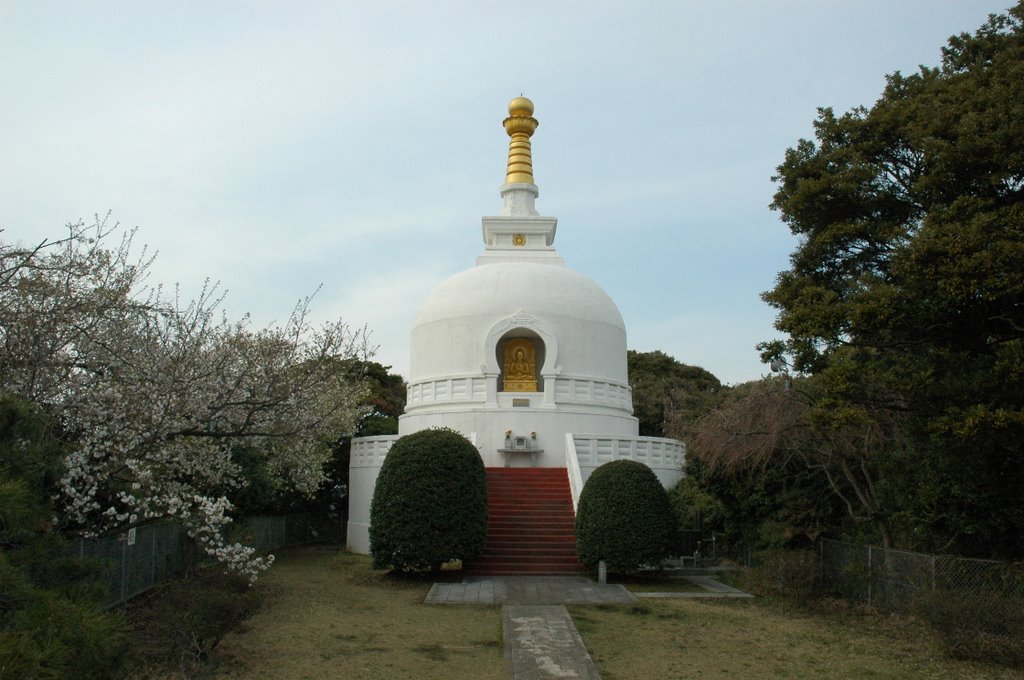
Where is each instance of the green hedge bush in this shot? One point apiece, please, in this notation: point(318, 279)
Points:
point(430, 503)
point(624, 518)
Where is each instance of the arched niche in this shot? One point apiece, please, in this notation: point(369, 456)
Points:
point(520, 355)
point(521, 327)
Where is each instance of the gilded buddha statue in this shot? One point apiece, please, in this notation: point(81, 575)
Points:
point(520, 366)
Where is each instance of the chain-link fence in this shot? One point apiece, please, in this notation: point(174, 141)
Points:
point(893, 579)
point(141, 558)
point(977, 606)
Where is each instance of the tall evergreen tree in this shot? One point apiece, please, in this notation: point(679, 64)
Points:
point(905, 295)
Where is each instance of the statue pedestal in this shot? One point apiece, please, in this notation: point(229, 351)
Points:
point(533, 453)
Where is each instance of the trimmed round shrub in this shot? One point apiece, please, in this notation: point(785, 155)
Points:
point(624, 518)
point(430, 503)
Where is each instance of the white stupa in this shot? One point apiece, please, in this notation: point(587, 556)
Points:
point(524, 356)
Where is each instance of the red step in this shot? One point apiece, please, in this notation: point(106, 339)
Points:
point(530, 524)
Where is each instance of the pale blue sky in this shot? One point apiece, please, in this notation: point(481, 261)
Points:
point(277, 146)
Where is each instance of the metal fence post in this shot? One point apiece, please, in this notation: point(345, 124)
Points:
point(821, 561)
point(152, 565)
point(871, 578)
point(124, 569)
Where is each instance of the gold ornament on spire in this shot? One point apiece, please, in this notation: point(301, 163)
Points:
point(520, 126)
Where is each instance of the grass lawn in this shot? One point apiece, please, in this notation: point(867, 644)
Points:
point(327, 614)
point(733, 638)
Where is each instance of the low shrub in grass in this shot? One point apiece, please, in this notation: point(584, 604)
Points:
point(975, 626)
point(177, 625)
point(430, 503)
point(788, 574)
point(624, 518)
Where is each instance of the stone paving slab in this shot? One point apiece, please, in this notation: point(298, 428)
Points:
point(670, 595)
point(710, 584)
point(712, 588)
point(541, 643)
point(527, 590)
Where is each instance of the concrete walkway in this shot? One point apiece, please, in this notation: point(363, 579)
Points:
point(541, 642)
point(528, 590)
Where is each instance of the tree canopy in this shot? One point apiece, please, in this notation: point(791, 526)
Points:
point(905, 294)
point(668, 394)
point(154, 393)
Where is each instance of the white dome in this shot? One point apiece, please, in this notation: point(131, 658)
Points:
point(577, 319)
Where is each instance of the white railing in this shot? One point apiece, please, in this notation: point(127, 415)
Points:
point(465, 389)
point(597, 392)
point(572, 466)
point(370, 451)
point(473, 389)
point(664, 456)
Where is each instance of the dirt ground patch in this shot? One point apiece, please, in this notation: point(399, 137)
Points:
point(327, 614)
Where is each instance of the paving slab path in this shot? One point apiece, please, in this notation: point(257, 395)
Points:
point(528, 590)
point(712, 588)
point(541, 641)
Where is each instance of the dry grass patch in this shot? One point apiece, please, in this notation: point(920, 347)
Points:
point(697, 638)
point(328, 614)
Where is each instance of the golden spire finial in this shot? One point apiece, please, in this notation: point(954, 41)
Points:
point(520, 125)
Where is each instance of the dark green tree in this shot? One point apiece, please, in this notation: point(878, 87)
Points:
point(51, 623)
point(430, 502)
point(668, 394)
point(383, 404)
point(385, 400)
point(905, 295)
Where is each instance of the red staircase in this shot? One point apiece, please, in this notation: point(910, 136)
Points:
point(530, 525)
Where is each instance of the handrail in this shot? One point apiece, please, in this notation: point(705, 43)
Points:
point(572, 466)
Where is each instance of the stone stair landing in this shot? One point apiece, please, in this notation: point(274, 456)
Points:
point(530, 525)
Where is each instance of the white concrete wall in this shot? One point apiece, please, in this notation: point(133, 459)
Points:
point(367, 456)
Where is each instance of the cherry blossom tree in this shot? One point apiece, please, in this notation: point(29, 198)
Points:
point(154, 391)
